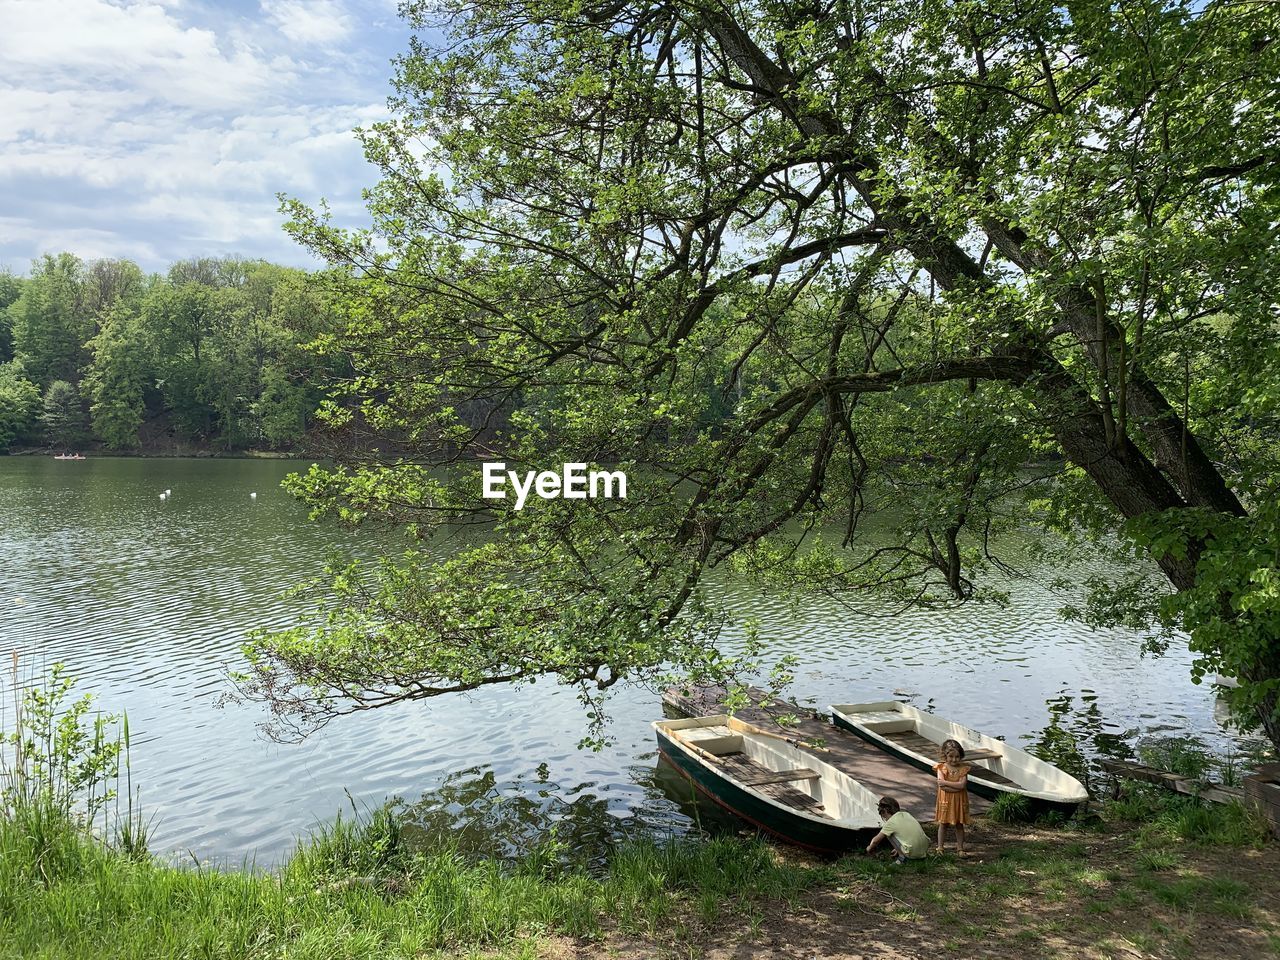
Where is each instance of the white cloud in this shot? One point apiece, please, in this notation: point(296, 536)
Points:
point(86, 242)
point(140, 120)
point(90, 43)
point(318, 22)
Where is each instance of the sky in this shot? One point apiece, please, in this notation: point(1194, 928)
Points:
point(163, 130)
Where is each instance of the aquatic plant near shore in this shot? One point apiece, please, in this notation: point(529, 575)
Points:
point(60, 769)
point(55, 754)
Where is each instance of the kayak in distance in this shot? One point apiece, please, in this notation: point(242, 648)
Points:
point(769, 781)
point(996, 767)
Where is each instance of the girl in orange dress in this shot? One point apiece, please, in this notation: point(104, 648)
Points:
point(953, 794)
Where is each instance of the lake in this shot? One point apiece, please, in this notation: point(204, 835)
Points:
point(148, 600)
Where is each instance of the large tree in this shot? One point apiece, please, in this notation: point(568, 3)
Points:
point(10, 287)
point(118, 379)
point(19, 403)
point(50, 321)
point(781, 261)
point(63, 415)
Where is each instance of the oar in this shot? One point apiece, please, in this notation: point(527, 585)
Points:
point(777, 736)
point(689, 744)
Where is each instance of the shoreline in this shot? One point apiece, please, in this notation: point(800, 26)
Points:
point(88, 454)
point(1155, 878)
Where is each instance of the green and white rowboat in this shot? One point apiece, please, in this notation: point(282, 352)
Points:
point(770, 782)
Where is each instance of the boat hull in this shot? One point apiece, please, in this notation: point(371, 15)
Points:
point(978, 786)
point(830, 838)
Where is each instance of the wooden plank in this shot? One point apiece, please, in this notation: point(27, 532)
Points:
point(927, 748)
point(1263, 793)
point(1173, 781)
point(783, 776)
point(982, 755)
point(741, 767)
point(982, 773)
point(794, 798)
point(1140, 771)
point(878, 771)
point(1220, 794)
point(914, 742)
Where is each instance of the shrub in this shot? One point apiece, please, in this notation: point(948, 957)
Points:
point(57, 758)
point(1011, 808)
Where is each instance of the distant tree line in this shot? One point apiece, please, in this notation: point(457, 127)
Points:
point(208, 355)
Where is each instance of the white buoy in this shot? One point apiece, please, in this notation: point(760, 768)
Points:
point(163, 496)
point(168, 492)
point(253, 496)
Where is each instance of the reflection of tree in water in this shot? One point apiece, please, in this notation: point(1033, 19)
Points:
point(477, 816)
point(1077, 738)
point(706, 816)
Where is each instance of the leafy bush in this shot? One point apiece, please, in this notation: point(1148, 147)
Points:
point(60, 769)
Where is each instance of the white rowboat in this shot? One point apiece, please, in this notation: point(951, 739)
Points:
point(997, 767)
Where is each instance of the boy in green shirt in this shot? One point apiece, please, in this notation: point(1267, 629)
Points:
point(902, 830)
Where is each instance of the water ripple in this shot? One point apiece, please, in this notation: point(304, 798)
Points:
point(148, 602)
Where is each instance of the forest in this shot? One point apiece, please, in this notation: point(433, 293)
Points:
point(206, 357)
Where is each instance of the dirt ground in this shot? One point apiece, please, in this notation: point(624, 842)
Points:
point(1019, 893)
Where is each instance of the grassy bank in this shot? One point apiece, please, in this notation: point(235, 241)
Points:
point(1155, 876)
point(355, 891)
point(1182, 880)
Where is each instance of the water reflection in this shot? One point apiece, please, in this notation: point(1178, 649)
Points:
point(476, 814)
point(1078, 737)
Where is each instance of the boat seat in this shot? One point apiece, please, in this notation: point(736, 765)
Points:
point(877, 716)
point(781, 776)
point(704, 733)
point(796, 799)
point(983, 755)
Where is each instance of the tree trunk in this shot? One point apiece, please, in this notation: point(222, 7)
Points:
point(1123, 473)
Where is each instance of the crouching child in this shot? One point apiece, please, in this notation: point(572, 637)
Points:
point(902, 830)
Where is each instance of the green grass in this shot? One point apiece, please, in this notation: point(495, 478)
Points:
point(1217, 895)
point(1011, 808)
point(1166, 816)
point(1150, 861)
point(355, 890)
